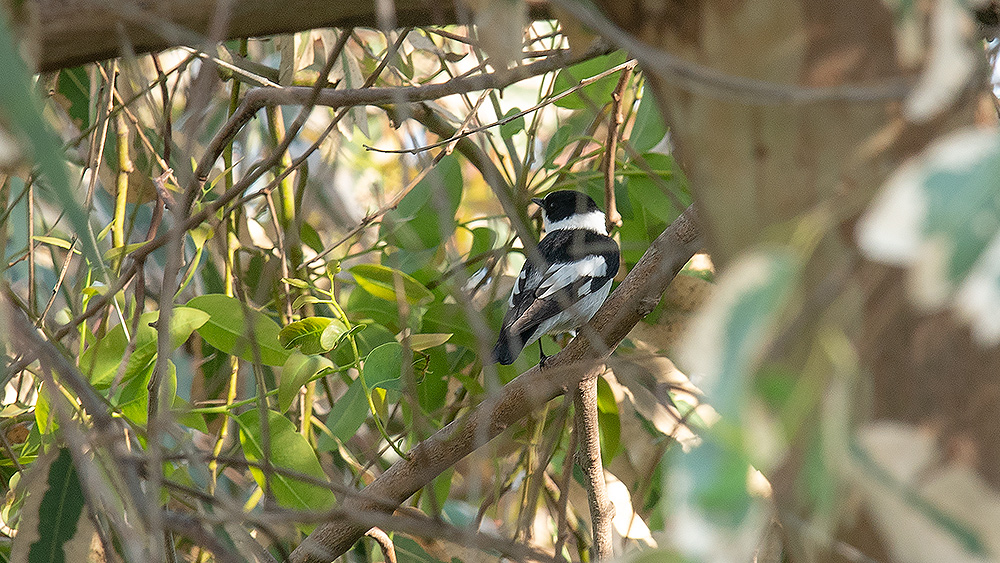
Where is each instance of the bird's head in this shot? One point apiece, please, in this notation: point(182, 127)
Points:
point(568, 209)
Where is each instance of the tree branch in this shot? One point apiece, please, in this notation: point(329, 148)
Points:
point(73, 32)
point(637, 295)
point(589, 459)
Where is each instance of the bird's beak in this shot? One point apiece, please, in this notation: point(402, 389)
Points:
point(537, 201)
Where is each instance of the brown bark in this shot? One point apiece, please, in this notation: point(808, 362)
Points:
point(66, 33)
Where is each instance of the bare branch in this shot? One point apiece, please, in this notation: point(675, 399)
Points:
point(589, 459)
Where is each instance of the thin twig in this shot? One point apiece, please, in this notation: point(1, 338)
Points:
point(384, 543)
point(614, 219)
point(465, 132)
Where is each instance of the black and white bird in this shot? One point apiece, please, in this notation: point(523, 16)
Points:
point(562, 288)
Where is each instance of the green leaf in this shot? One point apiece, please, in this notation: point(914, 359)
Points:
point(74, 95)
point(134, 397)
point(367, 336)
point(411, 552)
point(298, 370)
point(289, 450)
point(514, 126)
point(652, 194)
point(346, 416)
point(310, 237)
point(449, 318)
point(231, 323)
point(424, 341)
point(101, 360)
point(649, 127)
point(380, 282)
point(45, 415)
point(313, 335)
point(599, 92)
point(53, 518)
point(432, 390)
point(483, 240)
point(384, 364)
point(609, 421)
point(295, 282)
point(54, 241)
point(426, 215)
point(303, 300)
point(557, 144)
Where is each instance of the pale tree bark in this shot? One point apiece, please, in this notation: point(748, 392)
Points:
point(764, 156)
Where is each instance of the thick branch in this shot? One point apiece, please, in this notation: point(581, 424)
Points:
point(633, 299)
point(73, 32)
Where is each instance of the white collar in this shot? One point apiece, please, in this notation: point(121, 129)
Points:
point(593, 221)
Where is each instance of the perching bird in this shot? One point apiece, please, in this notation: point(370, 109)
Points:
point(562, 289)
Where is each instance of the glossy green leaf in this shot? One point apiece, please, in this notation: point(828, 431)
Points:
point(424, 341)
point(101, 360)
point(312, 335)
point(298, 370)
point(289, 450)
point(236, 329)
point(381, 282)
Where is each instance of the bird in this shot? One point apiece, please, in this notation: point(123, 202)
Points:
point(562, 285)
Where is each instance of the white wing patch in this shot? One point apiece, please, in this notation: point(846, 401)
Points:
point(519, 284)
point(561, 275)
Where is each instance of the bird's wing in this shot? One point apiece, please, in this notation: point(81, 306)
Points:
point(571, 269)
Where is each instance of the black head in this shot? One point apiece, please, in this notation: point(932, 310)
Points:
point(559, 205)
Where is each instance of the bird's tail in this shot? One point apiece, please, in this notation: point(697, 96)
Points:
point(507, 349)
